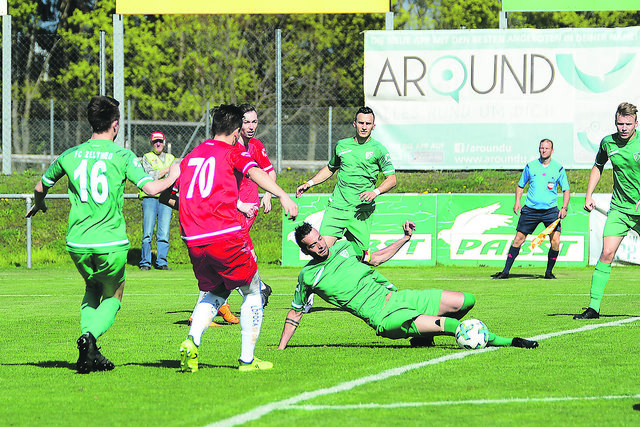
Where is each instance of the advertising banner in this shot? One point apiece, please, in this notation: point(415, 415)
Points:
point(392, 210)
point(478, 230)
point(475, 99)
point(451, 229)
point(561, 5)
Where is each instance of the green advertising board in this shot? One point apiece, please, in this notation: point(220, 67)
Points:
point(563, 5)
point(451, 229)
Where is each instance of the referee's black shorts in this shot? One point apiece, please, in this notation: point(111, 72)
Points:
point(530, 218)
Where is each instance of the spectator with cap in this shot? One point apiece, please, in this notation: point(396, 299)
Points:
point(156, 163)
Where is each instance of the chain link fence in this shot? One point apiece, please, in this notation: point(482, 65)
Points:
point(172, 85)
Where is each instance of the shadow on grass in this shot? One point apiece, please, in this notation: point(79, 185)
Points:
point(605, 316)
point(165, 364)
point(372, 345)
point(521, 276)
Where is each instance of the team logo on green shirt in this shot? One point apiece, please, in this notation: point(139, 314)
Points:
point(636, 156)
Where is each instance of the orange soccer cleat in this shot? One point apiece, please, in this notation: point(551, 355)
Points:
point(227, 315)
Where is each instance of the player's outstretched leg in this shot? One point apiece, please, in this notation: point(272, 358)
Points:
point(251, 314)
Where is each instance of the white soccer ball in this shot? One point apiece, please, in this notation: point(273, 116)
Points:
point(472, 334)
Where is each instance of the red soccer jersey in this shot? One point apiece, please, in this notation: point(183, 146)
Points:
point(248, 188)
point(208, 185)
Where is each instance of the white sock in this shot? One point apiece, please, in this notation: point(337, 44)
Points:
point(250, 319)
point(200, 296)
point(203, 314)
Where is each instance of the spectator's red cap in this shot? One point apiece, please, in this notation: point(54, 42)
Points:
point(157, 135)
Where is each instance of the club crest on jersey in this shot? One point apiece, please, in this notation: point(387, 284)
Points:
point(246, 154)
point(344, 253)
point(636, 156)
point(369, 155)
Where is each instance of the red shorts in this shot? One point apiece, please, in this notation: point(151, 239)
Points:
point(227, 263)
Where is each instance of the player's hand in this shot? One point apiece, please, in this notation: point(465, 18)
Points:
point(302, 189)
point(248, 209)
point(368, 196)
point(637, 204)
point(408, 228)
point(266, 204)
point(562, 213)
point(290, 207)
point(36, 208)
point(590, 205)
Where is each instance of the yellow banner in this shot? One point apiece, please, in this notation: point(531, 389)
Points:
point(159, 7)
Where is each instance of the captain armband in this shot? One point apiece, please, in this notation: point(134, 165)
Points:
point(367, 257)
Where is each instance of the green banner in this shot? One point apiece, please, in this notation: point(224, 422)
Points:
point(478, 230)
point(451, 229)
point(562, 5)
point(391, 212)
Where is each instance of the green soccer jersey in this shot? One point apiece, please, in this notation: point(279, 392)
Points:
point(344, 281)
point(358, 166)
point(97, 170)
point(625, 158)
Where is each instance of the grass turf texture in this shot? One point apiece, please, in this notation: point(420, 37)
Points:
point(40, 312)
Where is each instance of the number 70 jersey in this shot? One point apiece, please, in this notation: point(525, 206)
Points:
point(97, 172)
point(210, 176)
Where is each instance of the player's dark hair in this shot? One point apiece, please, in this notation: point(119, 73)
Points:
point(247, 108)
point(364, 110)
point(101, 112)
point(627, 109)
point(301, 232)
point(546, 139)
point(226, 119)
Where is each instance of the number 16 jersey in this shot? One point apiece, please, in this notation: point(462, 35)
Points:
point(97, 171)
point(209, 179)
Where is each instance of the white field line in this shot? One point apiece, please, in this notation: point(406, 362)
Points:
point(260, 411)
point(459, 402)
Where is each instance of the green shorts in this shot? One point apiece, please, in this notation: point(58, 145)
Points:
point(102, 271)
point(403, 307)
point(355, 226)
point(619, 223)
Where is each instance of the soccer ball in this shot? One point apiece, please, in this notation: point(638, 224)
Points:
point(472, 334)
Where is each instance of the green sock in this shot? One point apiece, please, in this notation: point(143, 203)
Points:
point(598, 282)
point(90, 301)
point(496, 341)
point(450, 325)
point(104, 316)
point(467, 305)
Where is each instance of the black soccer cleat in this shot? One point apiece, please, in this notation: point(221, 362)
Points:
point(522, 343)
point(266, 292)
point(549, 275)
point(422, 341)
point(500, 275)
point(589, 313)
point(90, 358)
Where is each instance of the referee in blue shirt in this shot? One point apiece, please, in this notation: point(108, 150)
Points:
point(543, 175)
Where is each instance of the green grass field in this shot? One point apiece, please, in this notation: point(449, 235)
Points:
point(336, 371)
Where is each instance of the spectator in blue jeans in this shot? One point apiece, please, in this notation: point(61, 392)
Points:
point(156, 163)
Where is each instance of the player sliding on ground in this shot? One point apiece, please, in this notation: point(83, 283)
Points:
point(342, 276)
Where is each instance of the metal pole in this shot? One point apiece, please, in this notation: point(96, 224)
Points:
point(51, 115)
point(388, 21)
point(503, 20)
point(28, 199)
point(103, 62)
point(6, 95)
point(279, 100)
point(118, 68)
point(207, 131)
point(130, 140)
point(329, 132)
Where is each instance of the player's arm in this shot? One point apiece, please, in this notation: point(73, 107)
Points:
point(378, 257)
point(386, 185)
point(290, 325)
point(594, 178)
point(39, 193)
point(323, 174)
point(566, 196)
point(159, 185)
point(266, 199)
point(265, 182)
point(517, 207)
